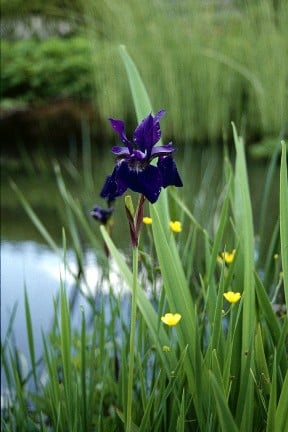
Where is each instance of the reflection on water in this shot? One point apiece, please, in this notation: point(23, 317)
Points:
point(27, 264)
point(30, 265)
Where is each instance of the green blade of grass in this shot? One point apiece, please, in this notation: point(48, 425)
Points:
point(185, 210)
point(225, 417)
point(66, 355)
point(216, 330)
point(145, 422)
point(52, 390)
point(245, 231)
point(29, 328)
point(180, 301)
point(281, 349)
point(273, 398)
point(281, 419)
point(10, 326)
point(218, 239)
point(245, 402)
point(36, 221)
point(140, 96)
point(284, 217)
point(84, 371)
point(260, 360)
point(181, 417)
point(266, 309)
point(168, 390)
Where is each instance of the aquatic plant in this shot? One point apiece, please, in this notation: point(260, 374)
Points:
point(211, 370)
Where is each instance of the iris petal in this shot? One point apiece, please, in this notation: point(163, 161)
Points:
point(101, 214)
point(113, 186)
point(148, 132)
point(119, 127)
point(168, 169)
point(143, 134)
point(121, 151)
point(133, 169)
point(147, 181)
point(162, 150)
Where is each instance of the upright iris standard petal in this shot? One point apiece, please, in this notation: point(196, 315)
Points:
point(119, 127)
point(133, 168)
point(148, 132)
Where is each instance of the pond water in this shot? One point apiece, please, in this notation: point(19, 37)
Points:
point(27, 261)
point(30, 265)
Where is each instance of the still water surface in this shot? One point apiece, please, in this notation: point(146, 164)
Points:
point(33, 266)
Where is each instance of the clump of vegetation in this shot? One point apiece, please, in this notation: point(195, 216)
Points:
point(210, 350)
point(35, 70)
point(56, 9)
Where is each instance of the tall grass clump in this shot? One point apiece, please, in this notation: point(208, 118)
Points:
point(218, 362)
point(208, 63)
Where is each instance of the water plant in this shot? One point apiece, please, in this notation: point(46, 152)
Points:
point(216, 368)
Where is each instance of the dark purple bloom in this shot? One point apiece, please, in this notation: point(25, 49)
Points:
point(102, 215)
point(133, 168)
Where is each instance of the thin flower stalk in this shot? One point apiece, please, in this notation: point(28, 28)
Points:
point(132, 340)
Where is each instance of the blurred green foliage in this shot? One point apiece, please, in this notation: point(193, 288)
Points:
point(21, 8)
point(56, 67)
point(207, 63)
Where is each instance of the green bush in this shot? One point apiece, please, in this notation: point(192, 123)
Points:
point(19, 8)
point(34, 70)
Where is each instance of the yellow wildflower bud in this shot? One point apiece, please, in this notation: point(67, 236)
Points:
point(227, 257)
point(175, 226)
point(147, 220)
point(171, 319)
point(232, 297)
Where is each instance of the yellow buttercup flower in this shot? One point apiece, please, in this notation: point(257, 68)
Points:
point(175, 226)
point(147, 220)
point(232, 297)
point(226, 257)
point(171, 319)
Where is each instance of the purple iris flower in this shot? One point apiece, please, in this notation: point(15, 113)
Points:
point(101, 214)
point(133, 167)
